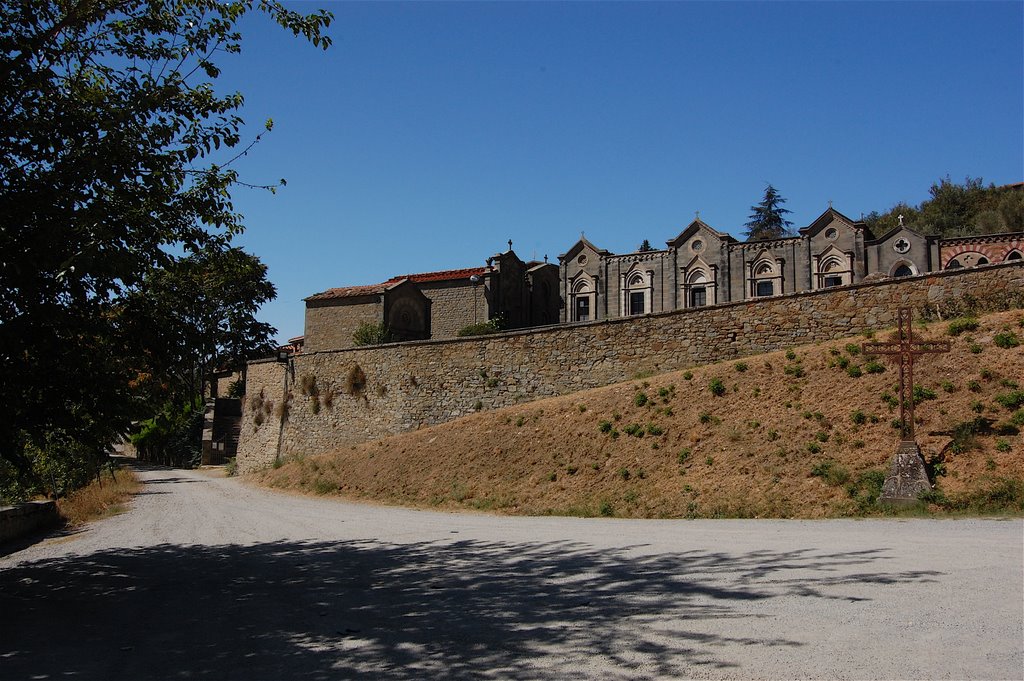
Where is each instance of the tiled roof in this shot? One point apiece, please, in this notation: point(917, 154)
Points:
point(443, 275)
point(349, 292)
point(376, 289)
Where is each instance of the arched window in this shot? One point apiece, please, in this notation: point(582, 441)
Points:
point(698, 290)
point(582, 301)
point(832, 271)
point(982, 260)
point(1014, 255)
point(953, 264)
point(765, 281)
point(903, 271)
point(636, 294)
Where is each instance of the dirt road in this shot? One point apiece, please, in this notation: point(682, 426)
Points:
point(212, 578)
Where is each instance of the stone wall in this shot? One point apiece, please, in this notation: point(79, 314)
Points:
point(451, 306)
point(419, 383)
point(24, 519)
point(331, 324)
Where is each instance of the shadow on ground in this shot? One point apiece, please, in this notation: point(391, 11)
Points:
point(360, 609)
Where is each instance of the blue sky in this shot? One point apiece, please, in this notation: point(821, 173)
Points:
point(431, 133)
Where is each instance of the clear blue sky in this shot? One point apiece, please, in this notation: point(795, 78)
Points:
point(431, 133)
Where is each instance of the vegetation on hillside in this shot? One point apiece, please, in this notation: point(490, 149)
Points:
point(955, 209)
point(806, 432)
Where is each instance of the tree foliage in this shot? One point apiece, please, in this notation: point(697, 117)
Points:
point(956, 209)
point(115, 184)
point(644, 246)
point(768, 220)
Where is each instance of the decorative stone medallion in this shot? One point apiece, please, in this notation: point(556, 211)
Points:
point(582, 260)
point(901, 245)
point(831, 234)
point(697, 246)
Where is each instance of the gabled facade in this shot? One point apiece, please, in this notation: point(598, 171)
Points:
point(702, 266)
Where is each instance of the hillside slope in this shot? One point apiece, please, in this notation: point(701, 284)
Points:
point(802, 433)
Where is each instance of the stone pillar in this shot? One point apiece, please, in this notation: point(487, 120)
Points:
point(907, 477)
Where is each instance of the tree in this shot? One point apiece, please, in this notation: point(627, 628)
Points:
point(645, 246)
point(768, 221)
point(110, 171)
point(955, 209)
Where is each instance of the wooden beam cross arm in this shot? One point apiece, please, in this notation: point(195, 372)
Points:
point(906, 348)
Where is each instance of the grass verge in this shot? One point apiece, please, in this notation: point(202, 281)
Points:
point(101, 498)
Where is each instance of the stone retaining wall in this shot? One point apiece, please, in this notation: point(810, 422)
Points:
point(24, 519)
point(420, 383)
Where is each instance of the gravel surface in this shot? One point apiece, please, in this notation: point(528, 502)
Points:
point(209, 577)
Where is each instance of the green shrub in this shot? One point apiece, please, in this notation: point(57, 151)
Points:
point(794, 370)
point(623, 473)
point(986, 374)
point(1018, 418)
point(922, 393)
point(717, 387)
point(853, 348)
point(1002, 446)
point(710, 461)
point(370, 333)
point(740, 366)
point(687, 375)
point(843, 362)
point(1011, 400)
point(1006, 340)
point(821, 436)
point(831, 473)
point(790, 355)
point(634, 430)
point(974, 386)
point(948, 386)
point(874, 367)
point(236, 389)
point(483, 328)
point(655, 430)
point(858, 417)
point(605, 427)
point(813, 447)
point(961, 324)
point(854, 371)
point(684, 454)
point(606, 509)
point(890, 399)
point(663, 392)
point(640, 399)
point(975, 348)
point(773, 435)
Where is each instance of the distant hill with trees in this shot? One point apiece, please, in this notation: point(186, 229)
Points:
point(967, 209)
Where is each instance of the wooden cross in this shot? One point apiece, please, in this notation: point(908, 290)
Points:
point(906, 348)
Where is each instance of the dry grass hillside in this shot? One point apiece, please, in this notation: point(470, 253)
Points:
point(803, 433)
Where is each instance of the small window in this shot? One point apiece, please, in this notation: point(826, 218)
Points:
point(1014, 256)
point(698, 297)
point(833, 281)
point(583, 309)
point(903, 271)
point(953, 264)
point(982, 260)
point(765, 288)
point(831, 234)
point(636, 303)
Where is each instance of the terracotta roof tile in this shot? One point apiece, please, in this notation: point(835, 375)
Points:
point(348, 292)
point(442, 275)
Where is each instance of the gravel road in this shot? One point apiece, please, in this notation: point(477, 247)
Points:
point(213, 578)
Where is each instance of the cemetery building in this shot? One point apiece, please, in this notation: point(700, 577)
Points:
point(702, 266)
point(699, 266)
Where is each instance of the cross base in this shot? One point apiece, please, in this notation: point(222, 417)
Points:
point(907, 477)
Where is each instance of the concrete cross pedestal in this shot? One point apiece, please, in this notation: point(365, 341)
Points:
point(907, 477)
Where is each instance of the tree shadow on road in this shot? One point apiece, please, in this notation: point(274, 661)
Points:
point(439, 609)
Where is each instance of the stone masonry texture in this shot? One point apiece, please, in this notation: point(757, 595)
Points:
point(409, 385)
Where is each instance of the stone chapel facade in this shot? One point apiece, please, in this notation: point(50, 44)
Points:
point(702, 266)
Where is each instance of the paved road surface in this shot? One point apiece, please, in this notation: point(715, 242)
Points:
point(212, 578)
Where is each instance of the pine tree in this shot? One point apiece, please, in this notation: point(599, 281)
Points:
point(768, 221)
point(645, 246)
